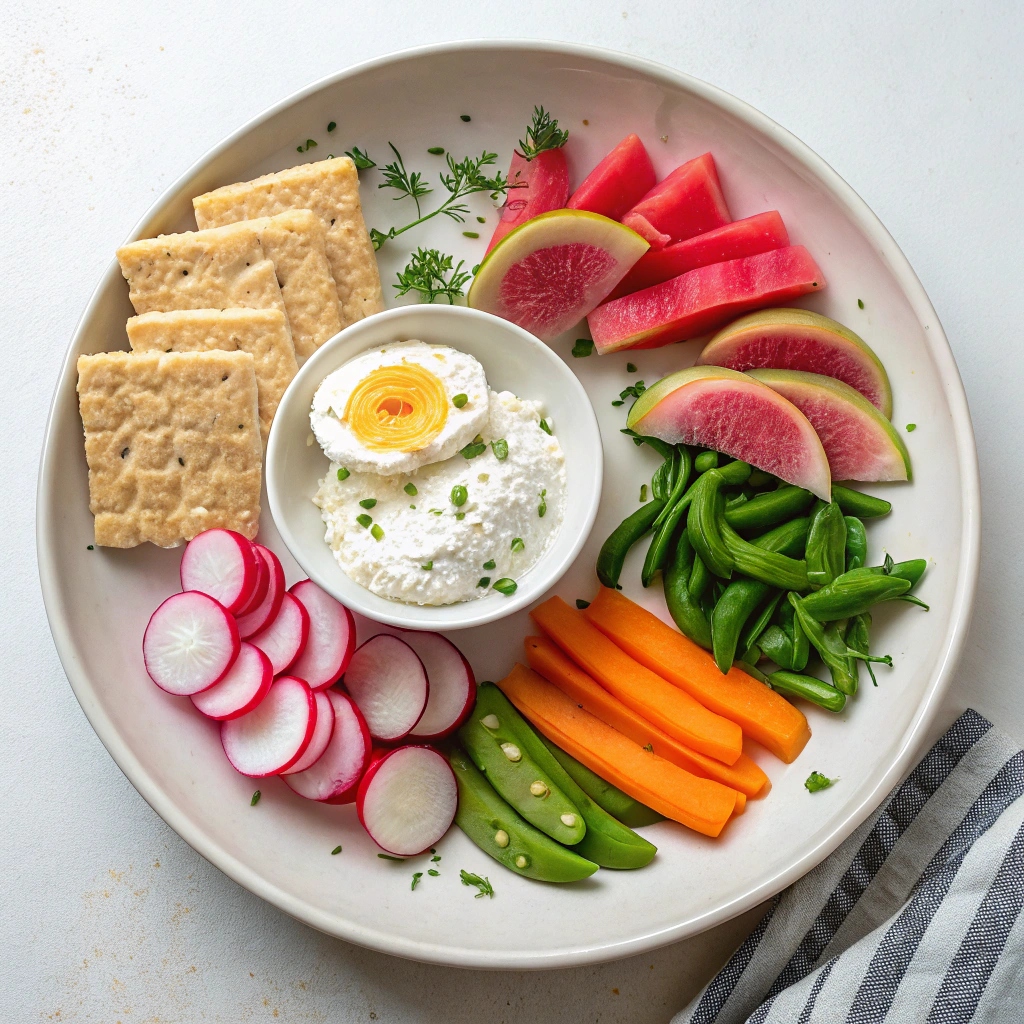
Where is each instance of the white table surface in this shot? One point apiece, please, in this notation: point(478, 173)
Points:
point(105, 914)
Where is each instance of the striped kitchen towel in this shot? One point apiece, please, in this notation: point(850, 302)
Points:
point(916, 917)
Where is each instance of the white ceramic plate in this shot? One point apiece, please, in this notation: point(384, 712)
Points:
point(98, 601)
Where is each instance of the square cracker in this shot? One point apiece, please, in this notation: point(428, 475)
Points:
point(173, 445)
point(330, 188)
point(263, 333)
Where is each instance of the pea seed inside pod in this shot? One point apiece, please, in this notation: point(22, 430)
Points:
point(522, 861)
point(538, 788)
point(490, 721)
point(511, 751)
point(501, 838)
point(568, 820)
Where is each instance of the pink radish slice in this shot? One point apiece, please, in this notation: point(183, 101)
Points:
point(241, 690)
point(451, 680)
point(273, 736)
point(387, 681)
point(259, 618)
point(285, 638)
point(321, 735)
point(334, 777)
point(259, 591)
point(189, 644)
point(222, 564)
point(332, 637)
point(407, 799)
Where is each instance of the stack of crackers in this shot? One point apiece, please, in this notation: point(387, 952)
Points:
point(174, 429)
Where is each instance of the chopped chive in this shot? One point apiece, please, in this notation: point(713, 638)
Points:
point(90, 547)
point(343, 473)
point(376, 532)
point(475, 447)
point(387, 856)
point(255, 798)
point(618, 402)
point(412, 506)
point(459, 495)
point(517, 544)
point(436, 512)
point(331, 125)
point(416, 876)
point(506, 586)
point(336, 851)
point(471, 234)
point(364, 520)
point(435, 150)
point(410, 489)
point(643, 493)
point(489, 564)
point(465, 117)
point(500, 449)
point(545, 426)
point(581, 604)
point(433, 871)
point(630, 368)
point(649, 747)
point(460, 515)
point(476, 268)
point(816, 782)
point(310, 143)
point(432, 850)
point(542, 508)
point(481, 220)
point(860, 303)
point(582, 347)
point(460, 400)
point(427, 566)
point(911, 427)
point(436, 857)
point(368, 502)
point(485, 581)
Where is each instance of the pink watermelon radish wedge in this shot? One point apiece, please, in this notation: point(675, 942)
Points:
point(618, 182)
point(859, 441)
point(553, 270)
point(797, 339)
point(732, 413)
point(703, 299)
point(542, 184)
point(687, 203)
point(747, 237)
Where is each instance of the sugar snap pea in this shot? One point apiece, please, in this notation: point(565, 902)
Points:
point(858, 636)
point(856, 543)
point(683, 593)
point(826, 545)
point(667, 521)
point(911, 570)
point(614, 550)
point(859, 504)
point(492, 741)
point(705, 521)
point(852, 593)
point(618, 804)
point(768, 508)
point(842, 669)
point(501, 833)
point(757, 625)
point(828, 643)
point(817, 691)
point(664, 475)
point(682, 466)
point(769, 567)
point(705, 461)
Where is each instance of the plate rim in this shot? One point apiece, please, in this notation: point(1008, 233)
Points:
point(909, 743)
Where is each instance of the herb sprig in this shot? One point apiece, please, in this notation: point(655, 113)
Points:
point(483, 884)
point(542, 134)
point(431, 273)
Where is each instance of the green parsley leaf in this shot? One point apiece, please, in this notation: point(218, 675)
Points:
point(376, 532)
point(630, 368)
point(460, 515)
point(431, 273)
point(500, 449)
point(816, 781)
point(343, 473)
point(368, 502)
point(433, 871)
point(489, 564)
point(436, 856)
point(336, 851)
point(542, 134)
point(517, 544)
point(860, 303)
point(459, 400)
point(90, 547)
point(481, 220)
point(506, 586)
point(364, 521)
point(581, 604)
point(427, 566)
point(416, 876)
point(360, 158)
point(331, 125)
point(582, 347)
point(410, 489)
point(459, 495)
point(483, 884)
point(545, 426)
point(485, 581)
point(911, 427)
point(255, 798)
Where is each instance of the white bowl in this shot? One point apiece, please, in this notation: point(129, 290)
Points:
point(514, 360)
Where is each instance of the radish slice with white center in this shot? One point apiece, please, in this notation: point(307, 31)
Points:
point(407, 800)
point(241, 690)
point(259, 618)
point(274, 735)
point(332, 637)
point(284, 639)
point(189, 644)
point(259, 591)
point(321, 735)
point(335, 776)
point(452, 685)
point(387, 681)
point(222, 564)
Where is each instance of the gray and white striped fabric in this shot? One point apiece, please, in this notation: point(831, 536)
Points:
point(916, 917)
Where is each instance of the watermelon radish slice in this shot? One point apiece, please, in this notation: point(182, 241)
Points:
point(797, 339)
point(703, 299)
point(618, 182)
point(542, 185)
point(732, 413)
point(859, 441)
point(241, 690)
point(687, 203)
point(553, 270)
point(749, 237)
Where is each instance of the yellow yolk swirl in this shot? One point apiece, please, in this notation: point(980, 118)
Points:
point(397, 408)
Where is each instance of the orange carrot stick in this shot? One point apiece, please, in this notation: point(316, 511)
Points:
point(548, 661)
point(702, 804)
point(650, 696)
point(759, 711)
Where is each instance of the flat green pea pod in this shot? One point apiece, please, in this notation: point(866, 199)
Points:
point(705, 521)
point(793, 684)
point(856, 543)
point(768, 508)
point(490, 739)
point(683, 603)
point(827, 642)
point(502, 834)
point(608, 842)
point(769, 567)
point(619, 805)
point(614, 550)
point(859, 504)
point(852, 593)
point(826, 546)
point(858, 636)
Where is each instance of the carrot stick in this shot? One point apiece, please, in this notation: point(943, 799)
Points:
point(759, 711)
point(702, 804)
point(548, 661)
point(650, 696)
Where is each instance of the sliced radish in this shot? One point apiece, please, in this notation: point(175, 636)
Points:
point(451, 680)
point(260, 617)
point(259, 591)
point(407, 799)
point(190, 643)
point(241, 690)
point(220, 563)
point(321, 735)
point(273, 736)
point(387, 681)
point(335, 776)
point(332, 637)
point(284, 639)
